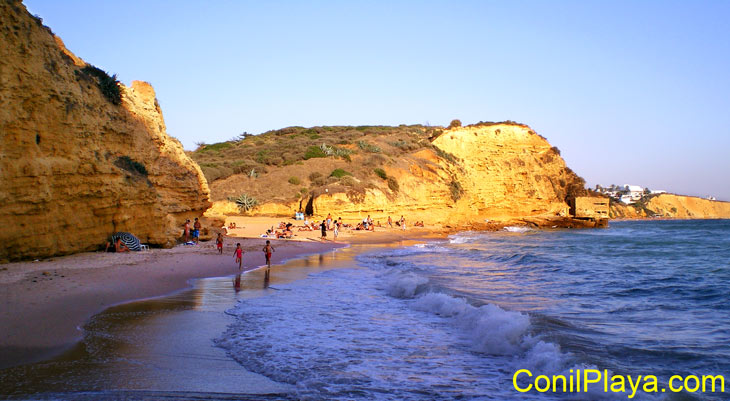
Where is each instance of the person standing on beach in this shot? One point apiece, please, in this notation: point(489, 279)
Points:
point(337, 229)
point(402, 223)
point(329, 220)
point(268, 249)
point(187, 230)
point(390, 222)
point(196, 230)
point(219, 243)
point(324, 230)
point(238, 253)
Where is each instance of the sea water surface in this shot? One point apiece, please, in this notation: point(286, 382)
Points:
point(456, 318)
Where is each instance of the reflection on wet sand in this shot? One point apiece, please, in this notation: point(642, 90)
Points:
point(237, 283)
point(165, 344)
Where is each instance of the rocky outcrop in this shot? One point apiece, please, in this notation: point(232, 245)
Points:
point(75, 164)
point(497, 172)
point(673, 206)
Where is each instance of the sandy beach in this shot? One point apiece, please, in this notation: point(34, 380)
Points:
point(45, 303)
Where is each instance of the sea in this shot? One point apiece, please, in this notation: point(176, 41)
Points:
point(446, 319)
point(455, 319)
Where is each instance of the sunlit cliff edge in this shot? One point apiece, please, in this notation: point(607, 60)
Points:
point(75, 166)
point(471, 176)
point(673, 207)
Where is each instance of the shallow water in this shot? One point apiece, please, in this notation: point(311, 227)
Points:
point(454, 319)
point(446, 319)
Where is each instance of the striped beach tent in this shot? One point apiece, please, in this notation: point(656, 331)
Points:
point(128, 239)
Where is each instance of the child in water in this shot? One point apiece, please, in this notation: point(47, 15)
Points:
point(238, 253)
point(268, 249)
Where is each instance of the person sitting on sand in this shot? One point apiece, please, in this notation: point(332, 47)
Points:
point(268, 249)
point(286, 234)
point(238, 253)
point(118, 246)
point(219, 243)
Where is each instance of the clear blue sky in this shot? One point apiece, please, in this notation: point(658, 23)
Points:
point(634, 92)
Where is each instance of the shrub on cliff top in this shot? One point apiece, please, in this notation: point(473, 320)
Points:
point(294, 181)
point(109, 85)
point(381, 173)
point(313, 152)
point(455, 123)
point(339, 173)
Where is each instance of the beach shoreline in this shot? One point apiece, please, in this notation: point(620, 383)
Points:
point(60, 294)
point(47, 302)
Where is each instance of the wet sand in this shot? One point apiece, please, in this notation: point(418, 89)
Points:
point(46, 302)
point(164, 347)
point(50, 336)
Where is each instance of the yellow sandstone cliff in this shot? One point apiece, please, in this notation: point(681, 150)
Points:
point(673, 206)
point(75, 167)
point(498, 173)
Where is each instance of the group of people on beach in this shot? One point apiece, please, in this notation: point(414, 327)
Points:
point(195, 231)
point(268, 249)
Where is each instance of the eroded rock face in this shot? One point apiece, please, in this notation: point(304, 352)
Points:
point(74, 166)
point(496, 172)
point(675, 207)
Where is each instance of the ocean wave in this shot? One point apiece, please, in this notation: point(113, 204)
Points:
point(464, 238)
point(404, 285)
point(517, 229)
point(491, 329)
point(488, 328)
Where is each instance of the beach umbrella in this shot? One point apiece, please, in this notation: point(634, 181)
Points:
point(128, 239)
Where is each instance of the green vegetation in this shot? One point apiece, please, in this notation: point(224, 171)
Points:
point(339, 173)
point(314, 152)
point(456, 190)
point(109, 85)
point(245, 202)
point(446, 156)
point(368, 147)
point(215, 147)
point(346, 159)
point(455, 123)
point(393, 184)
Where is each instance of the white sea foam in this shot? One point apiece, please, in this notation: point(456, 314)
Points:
point(404, 285)
point(517, 229)
point(464, 238)
point(491, 329)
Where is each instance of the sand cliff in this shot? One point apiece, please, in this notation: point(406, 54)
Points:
point(75, 166)
point(673, 206)
point(494, 171)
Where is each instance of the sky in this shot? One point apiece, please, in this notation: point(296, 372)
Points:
point(631, 92)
